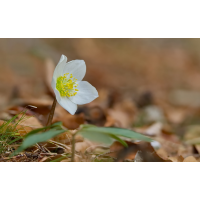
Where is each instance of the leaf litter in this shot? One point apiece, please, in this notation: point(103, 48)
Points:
point(171, 121)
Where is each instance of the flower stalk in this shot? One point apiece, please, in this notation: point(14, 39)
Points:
point(73, 148)
point(50, 118)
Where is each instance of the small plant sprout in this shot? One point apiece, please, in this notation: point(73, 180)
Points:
point(68, 86)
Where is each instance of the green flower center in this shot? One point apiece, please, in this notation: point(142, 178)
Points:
point(66, 85)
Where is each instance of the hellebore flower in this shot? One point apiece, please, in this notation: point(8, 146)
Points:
point(68, 86)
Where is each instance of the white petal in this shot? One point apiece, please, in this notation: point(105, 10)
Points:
point(62, 58)
point(53, 84)
point(59, 68)
point(68, 105)
point(86, 93)
point(57, 93)
point(77, 68)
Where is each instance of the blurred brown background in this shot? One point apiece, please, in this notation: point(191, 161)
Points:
point(169, 69)
point(151, 86)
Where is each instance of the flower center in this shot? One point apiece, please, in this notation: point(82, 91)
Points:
point(66, 85)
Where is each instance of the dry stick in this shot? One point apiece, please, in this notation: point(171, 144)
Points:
point(51, 112)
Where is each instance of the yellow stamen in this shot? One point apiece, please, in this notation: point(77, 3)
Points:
point(66, 86)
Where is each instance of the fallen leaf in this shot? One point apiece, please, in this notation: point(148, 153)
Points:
point(83, 146)
point(121, 118)
point(31, 122)
point(154, 129)
point(190, 159)
point(176, 158)
point(162, 153)
point(145, 152)
point(93, 115)
point(109, 121)
point(197, 147)
point(70, 121)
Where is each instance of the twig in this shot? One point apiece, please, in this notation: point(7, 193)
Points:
point(103, 154)
point(48, 154)
point(63, 146)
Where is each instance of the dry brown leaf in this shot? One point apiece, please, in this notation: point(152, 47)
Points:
point(145, 151)
point(64, 138)
point(121, 118)
point(154, 130)
point(148, 154)
point(169, 146)
point(102, 100)
point(190, 159)
point(23, 130)
point(71, 121)
point(185, 150)
point(109, 121)
point(176, 158)
point(31, 122)
point(176, 115)
point(83, 146)
point(162, 153)
point(197, 147)
point(93, 115)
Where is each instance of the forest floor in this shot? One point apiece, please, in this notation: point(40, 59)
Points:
point(150, 86)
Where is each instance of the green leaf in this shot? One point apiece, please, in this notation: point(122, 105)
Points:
point(115, 131)
point(36, 138)
point(119, 140)
point(107, 134)
point(57, 124)
point(87, 126)
point(97, 137)
point(38, 130)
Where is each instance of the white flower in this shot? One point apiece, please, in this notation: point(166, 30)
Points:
point(68, 87)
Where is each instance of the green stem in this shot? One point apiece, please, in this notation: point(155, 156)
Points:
point(73, 147)
point(51, 112)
